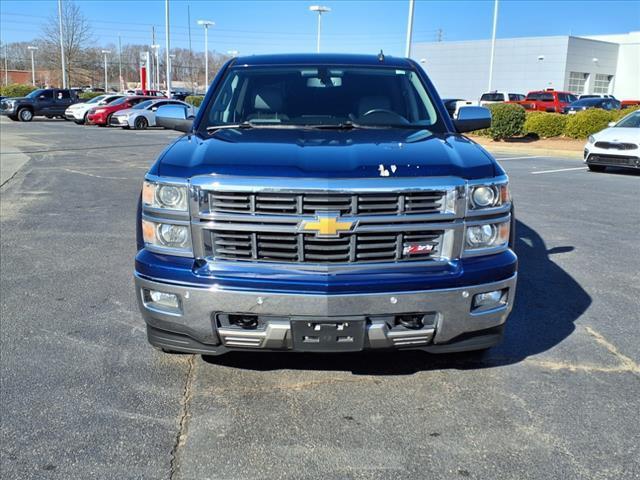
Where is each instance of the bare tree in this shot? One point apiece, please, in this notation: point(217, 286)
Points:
point(76, 35)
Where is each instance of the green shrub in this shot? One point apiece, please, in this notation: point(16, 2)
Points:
point(195, 100)
point(89, 95)
point(588, 122)
point(545, 125)
point(507, 120)
point(16, 90)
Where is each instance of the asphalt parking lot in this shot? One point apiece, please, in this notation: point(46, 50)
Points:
point(84, 396)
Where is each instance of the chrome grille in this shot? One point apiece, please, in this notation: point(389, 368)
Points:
point(266, 203)
point(306, 247)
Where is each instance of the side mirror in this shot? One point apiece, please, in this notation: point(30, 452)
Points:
point(611, 124)
point(174, 117)
point(472, 118)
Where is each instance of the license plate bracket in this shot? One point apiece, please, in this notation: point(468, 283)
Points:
point(328, 335)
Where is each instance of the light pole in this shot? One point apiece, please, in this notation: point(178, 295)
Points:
point(407, 50)
point(105, 52)
point(320, 9)
point(206, 24)
point(33, 65)
point(167, 45)
point(64, 73)
point(233, 53)
point(171, 57)
point(493, 43)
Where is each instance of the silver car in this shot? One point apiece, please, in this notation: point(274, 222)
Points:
point(143, 115)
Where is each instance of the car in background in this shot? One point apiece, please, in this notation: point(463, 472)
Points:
point(46, 102)
point(499, 97)
point(78, 111)
point(453, 105)
point(615, 146)
point(101, 116)
point(595, 95)
point(592, 102)
point(143, 115)
point(548, 100)
point(146, 93)
point(629, 103)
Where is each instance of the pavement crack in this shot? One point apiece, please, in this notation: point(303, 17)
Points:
point(626, 363)
point(183, 420)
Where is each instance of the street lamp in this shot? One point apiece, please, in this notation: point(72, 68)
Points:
point(156, 50)
point(105, 52)
point(171, 57)
point(320, 9)
point(206, 24)
point(233, 53)
point(33, 65)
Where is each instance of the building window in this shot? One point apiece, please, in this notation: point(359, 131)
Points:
point(602, 82)
point(577, 81)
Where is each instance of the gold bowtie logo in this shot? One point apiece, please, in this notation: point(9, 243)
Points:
point(328, 225)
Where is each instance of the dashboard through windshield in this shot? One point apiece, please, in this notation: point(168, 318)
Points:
point(323, 97)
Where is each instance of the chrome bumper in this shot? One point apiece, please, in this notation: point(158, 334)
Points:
point(195, 322)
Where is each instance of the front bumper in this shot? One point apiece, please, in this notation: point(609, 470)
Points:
point(96, 119)
point(612, 157)
point(454, 325)
point(119, 121)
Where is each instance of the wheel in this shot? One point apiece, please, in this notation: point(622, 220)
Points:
point(25, 115)
point(13, 117)
point(596, 168)
point(141, 123)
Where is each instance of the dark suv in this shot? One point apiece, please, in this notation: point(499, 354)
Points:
point(48, 102)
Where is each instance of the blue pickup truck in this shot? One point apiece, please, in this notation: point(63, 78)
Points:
point(324, 203)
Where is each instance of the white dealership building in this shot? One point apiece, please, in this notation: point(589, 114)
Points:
point(586, 64)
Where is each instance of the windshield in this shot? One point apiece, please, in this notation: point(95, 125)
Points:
point(119, 101)
point(97, 99)
point(323, 96)
point(632, 121)
point(492, 97)
point(586, 102)
point(143, 105)
point(35, 93)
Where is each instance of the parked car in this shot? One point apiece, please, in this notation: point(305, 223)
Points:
point(146, 93)
point(143, 115)
point(324, 203)
point(595, 95)
point(547, 100)
point(78, 111)
point(101, 116)
point(629, 103)
point(499, 97)
point(453, 105)
point(180, 94)
point(47, 102)
point(592, 102)
point(615, 146)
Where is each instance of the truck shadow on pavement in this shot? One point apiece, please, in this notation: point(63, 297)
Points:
point(548, 302)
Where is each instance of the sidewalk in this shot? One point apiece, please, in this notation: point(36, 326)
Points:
point(561, 147)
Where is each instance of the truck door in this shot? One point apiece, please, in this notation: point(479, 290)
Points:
point(44, 103)
point(61, 101)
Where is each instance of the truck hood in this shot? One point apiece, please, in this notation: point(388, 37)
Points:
point(302, 153)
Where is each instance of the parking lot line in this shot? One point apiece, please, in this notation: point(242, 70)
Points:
point(558, 170)
point(519, 158)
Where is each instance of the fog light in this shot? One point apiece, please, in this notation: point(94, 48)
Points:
point(489, 299)
point(161, 300)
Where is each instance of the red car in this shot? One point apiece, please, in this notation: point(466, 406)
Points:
point(102, 115)
point(547, 100)
point(629, 103)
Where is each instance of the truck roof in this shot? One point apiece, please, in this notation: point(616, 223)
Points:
point(323, 59)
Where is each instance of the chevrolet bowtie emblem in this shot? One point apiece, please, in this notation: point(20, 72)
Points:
point(327, 225)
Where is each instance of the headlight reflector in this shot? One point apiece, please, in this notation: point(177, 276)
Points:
point(484, 196)
point(488, 196)
point(489, 235)
point(172, 197)
point(591, 139)
point(166, 235)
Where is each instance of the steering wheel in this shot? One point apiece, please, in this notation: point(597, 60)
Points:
point(384, 111)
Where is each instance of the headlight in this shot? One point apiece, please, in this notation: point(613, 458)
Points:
point(166, 235)
point(172, 197)
point(489, 235)
point(591, 139)
point(488, 196)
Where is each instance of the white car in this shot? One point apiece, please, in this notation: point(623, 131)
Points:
point(616, 146)
point(499, 97)
point(143, 115)
point(78, 111)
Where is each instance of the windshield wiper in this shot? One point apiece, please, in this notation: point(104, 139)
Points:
point(215, 128)
point(348, 125)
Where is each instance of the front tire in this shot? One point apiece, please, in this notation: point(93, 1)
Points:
point(25, 115)
point(596, 168)
point(141, 123)
point(13, 117)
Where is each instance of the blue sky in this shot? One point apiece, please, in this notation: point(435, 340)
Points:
point(352, 26)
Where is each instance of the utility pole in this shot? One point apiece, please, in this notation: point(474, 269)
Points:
point(120, 64)
point(206, 24)
point(493, 43)
point(190, 50)
point(153, 68)
point(64, 69)
point(106, 80)
point(407, 49)
point(320, 10)
point(6, 68)
point(33, 65)
point(167, 46)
